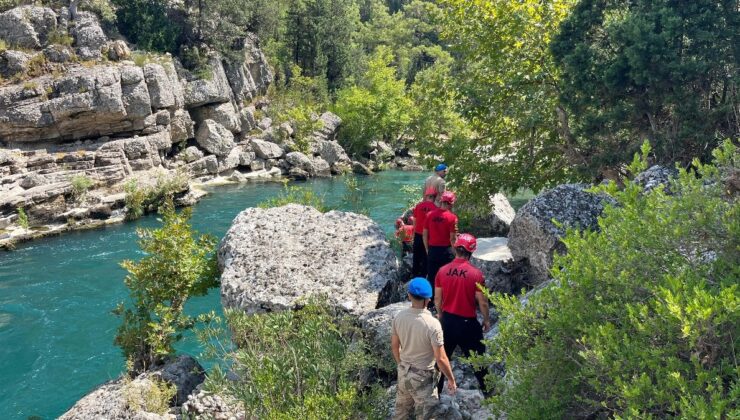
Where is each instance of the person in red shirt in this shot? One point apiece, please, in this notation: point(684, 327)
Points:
point(459, 288)
point(405, 234)
point(440, 232)
point(419, 261)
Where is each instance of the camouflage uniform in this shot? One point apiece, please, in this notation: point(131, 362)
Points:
point(416, 389)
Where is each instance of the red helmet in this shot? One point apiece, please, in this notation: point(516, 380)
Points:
point(467, 241)
point(430, 191)
point(448, 197)
point(399, 222)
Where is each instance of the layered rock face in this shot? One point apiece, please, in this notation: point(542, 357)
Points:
point(343, 256)
point(534, 234)
point(78, 122)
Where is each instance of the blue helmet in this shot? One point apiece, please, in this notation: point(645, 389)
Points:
point(440, 167)
point(420, 287)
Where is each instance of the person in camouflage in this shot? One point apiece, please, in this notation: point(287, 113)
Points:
point(417, 343)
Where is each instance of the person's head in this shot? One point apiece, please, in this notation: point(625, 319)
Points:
point(399, 223)
point(465, 245)
point(419, 291)
point(448, 199)
point(430, 194)
point(441, 170)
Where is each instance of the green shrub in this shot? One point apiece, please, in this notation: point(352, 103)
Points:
point(135, 197)
point(178, 264)
point(153, 396)
point(80, 185)
point(3, 45)
point(22, 218)
point(304, 363)
point(296, 195)
point(146, 23)
point(141, 199)
point(643, 317)
point(103, 9)
point(60, 37)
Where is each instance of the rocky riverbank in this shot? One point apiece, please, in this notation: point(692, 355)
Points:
point(84, 121)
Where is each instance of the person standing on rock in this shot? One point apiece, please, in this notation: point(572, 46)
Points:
point(437, 181)
point(458, 289)
point(417, 343)
point(419, 252)
point(405, 235)
point(440, 232)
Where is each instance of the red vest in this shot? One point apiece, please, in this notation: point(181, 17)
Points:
point(459, 281)
point(420, 215)
point(440, 224)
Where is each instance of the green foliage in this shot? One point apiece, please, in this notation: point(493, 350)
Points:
point(299, 102)
point(103, 8)
point(22, 218)
point(146, 23)
point(3, 45)
point(665, 71)
point(61, 37)
point(379, 109)
point(178, 264)
point(305, 363)
point(296, 195)
point(353, 195)
point(152, 395)
point(80, 185)
point(508, 86)
point(141, 199)
point(642, 318)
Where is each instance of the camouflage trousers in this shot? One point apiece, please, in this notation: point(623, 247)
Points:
point(416, 393)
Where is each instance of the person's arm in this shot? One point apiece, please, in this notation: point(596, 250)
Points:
point(444, 366)
point(396, 348)
point(425, 237)
point(438, 299)
point(483, 305)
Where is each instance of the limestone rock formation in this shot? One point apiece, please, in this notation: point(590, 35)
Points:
point(315, 258)
point(656, 176)
point(533, 234)
point(215, 138)
point(376, 326)
point(112, 399)
point(503, 273)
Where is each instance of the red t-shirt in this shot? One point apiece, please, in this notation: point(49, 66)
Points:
point(405, 233)
point(420, 214)
point(458, 281)
point(440, 224)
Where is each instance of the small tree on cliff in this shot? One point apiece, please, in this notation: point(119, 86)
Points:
point(179, 264)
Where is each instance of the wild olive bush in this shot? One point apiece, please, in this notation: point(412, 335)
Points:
point(178, 264)
point(304, 363)
point(642, 319)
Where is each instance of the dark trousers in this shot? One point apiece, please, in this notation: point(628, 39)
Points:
point(466, 333)
point(419, 261)
point(438, 256)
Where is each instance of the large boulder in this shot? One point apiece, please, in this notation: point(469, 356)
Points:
point(251, 75)
point(376, 326)
point(656, 176)
point(267, 150)
point(274, 258)
point(494, 219)
point(330, 123)
point(300, 161)
point(212, 90)
point(27, 26)
point(534, 234)
point(224, 114)
point(503, 274)
point(112, 400)
point(160, 86)
point(215, 138)
point(89, 36)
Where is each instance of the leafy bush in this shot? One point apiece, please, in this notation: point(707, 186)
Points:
point(22, 218)
point(80, 185)
point(643, 317)
point(146, 23)
point(141, 199)
point(294, 364)
point(296, 195)
point(178, 264)
point(152, 396)
point(60, 37)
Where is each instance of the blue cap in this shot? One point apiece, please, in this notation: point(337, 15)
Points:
point(440, 167)
point(420, 287)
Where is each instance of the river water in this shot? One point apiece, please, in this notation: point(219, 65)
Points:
point(56, 294)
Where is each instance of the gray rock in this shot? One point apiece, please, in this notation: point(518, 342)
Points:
point(181, 126)
point(314, 259)
point(111, 400)
point(246, 158)
point(118, 50)
point(503, 274)
point(199, 92)
point(495, 220)
point(214, 138)
point(331, 152)
point(534, 236)
point(31, 180)
point(361, 169)
point(376, 326)
point(257, 164)
point(321, 167)
point(300, 161)
point(251, 75)
point(224, 114)
point(330, 123)
point(59, 53)
point(27, 26)
point(264, 123)
point(231, 160)
point(298, 174)
point(246, 117)
point(89, 36)
point(205, 166)
point(204, 405)
point(266, 150)
point(656, 176)
point(382, 152)
point(13, 62)
point(159, 86)
point(285, 130)
point(190, 154)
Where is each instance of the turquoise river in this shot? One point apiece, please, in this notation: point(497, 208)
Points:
point(56, 294)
